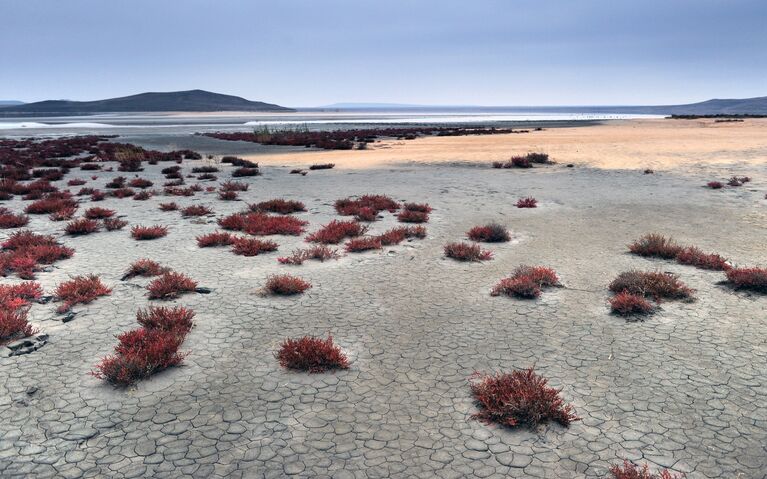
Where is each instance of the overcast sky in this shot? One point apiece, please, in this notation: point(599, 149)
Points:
point(316, 52)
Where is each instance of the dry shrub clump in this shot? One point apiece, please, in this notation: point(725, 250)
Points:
point(655, 245)
point(98, 213)
point(263, 224)
point(528, 202)
point(524, 161)
point(399, 234)
point(412, 216)
point(171, 285)
point(654, 285)
point(377, 203)
point(177, 318)
point(234, 186)
point(631, 471)
point(694, 256)
point(286, 285)
point(24, 251)
point(14, 302)
point(526, 282)
point(80, 290)
point(715, 185)
point(358, 245)
point(281, 206)
point(148, 232)
point(322, 166)
point(467, 252)
point(336, 231)
point(10, 220)
point(113, 224)
point(628, 304)
point(252, 246)
point(172, 206)
point(519, 398)
point(144, 267)
point(82, 226)
point(754, 279)
point(318, 252)
point(51, 204)
point(315, 355)
point(228, 196)
point(738, 180)
point(196, 210)
point(245, 171)
point(490, 233)
point(217, 238)
point(140, 183)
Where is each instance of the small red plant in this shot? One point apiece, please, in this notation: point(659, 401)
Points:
point(228, 195)
point(172, 206)
point(50, 205)
point(148, 232)
point(694, 256)
point(490, 233)
point(318, 252)
point(196, 210)
point(82, 226)
point(245, 171)
point(14, 325)
point(526, 282)
point(715, 185)
point(234, 186)
point(140, 183)
point(97, 213)
point(252, 246)
point(63, 214)
point(263, 224)
point(113, 224)
point(632, 471)
point(80, 290)
point(351, 207)
point(24, 250)
point(358, 245)
point(122, 193)
point(178, 319)
point(336, 231)
point(656, 285)
point(315, 355)
point(98, 196)
point(467, 252)
point(420, 207)
point(142, 195)
point(528, 202)
point(322, 166)
point(366, 214)
point(410, 216)
point(281, 206)
point(11, 220)
point(171, 285)
point(754, 279)
point(286, 285)
point(655, 245)
point(627, 304)
point(76, 182)
point(519, 398)
point(144, 267)
point(217, 238)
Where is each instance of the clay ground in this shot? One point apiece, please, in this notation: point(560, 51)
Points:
point(684, 389)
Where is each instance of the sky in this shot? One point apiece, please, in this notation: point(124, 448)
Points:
point(304, 53)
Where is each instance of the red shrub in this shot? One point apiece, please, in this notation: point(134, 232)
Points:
point(738, 180)
point(318, 252)
point(252, 246)
point(196, 210)
point(173, 191)
point(655, 245)
point(140, 183)
point(234, 186)
point(715, 185)
point(122, 193)
point(244, 171)
point(655, 285)
point(144, 267)
point(528, 202)
point(520, 287)
point(315, 355)
point(142, 196)
point(626, 304)
point(322, 166)
point(17, 295)
point(227, 195)
point(98, 196)
point(350, 207)
point(178, 319)
point(631, 471)
point(335, 232)
point(14, 325)
point(49, 205)
point(286, 285)
point(520, 162)
point(420, 207)
point(283, 207)
point(76, 182)
point(409, 216)
point(393, 236)
point(63, 214)
point(490, 233)
point(217, 238)
point(97, 213)
point(140, 354)
point(82, 226)
point(24, 250)
point(754, 279)
point(171, 285)
point(693, 256)
point(11, 220)
point(80, 290)
point(357, 245)
point(172, 206)
point(205, 169)
point(263, 224)
point(148, 232)
point(466, 252)
point(366, 214)
point(519, 398)
point(112, 224)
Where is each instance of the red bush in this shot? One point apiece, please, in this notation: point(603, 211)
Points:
point(693, 256)
point(754, 279)
point(420, 207)
point(24, 250)
point(148, 232)
point(112, 224)
point(49, 205)
point(283, 207)
point(76, 182)
point(318, 252)
point(655, 245)
point(366, 214)
point(526, 282)
point(234, 186)
point(205, 169)
point(252, 246)
point(140, 354)
point(97, 213)
point(171, 285)
point(142, 195)
point(140, 183)
point(14, 325)
point(144, 267)
point(322, 166)
point(357, 245)
point(715, 185)
point(80, 290)
point(245, 171)
point(98, 195)
point(15, 296)
point(626, 304)
point(263, 224)
point(655, 285)
point(315, 355)
point(122, 193)
point(466, 252)
point(82, 226)
point(286, 285)
point(217, 238)
point(490, 233)
point(336, 231)
point(528, 202)
point(196, 210)
point(519, 398)
point(409, 216)
point(172, 206)
point(11, 220)
point(178, 319)
point(377, 203)
point(228, 195)
point(63, 214)
point(631, 471)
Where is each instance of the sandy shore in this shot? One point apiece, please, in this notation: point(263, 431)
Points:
point(616, 144)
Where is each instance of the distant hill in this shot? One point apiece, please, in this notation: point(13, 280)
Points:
point(191, 100)
point(10, 102)
point(745, 106)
